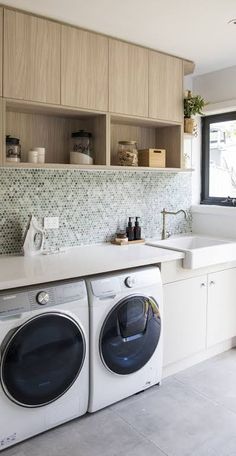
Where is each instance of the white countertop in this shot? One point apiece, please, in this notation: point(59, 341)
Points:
point(19, 271)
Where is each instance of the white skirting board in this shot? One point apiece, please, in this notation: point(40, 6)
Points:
point(174, 368)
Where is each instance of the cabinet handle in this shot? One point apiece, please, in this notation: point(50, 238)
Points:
point(203, 284)
point(212, 283)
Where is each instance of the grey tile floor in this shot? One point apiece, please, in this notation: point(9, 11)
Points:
point(192, 413)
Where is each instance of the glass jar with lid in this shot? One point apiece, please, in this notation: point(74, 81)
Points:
point(128, 153)
point(81, 148)
point(13, 149)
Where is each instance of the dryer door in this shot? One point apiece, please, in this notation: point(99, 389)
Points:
point(42, 359)
point(130, 334)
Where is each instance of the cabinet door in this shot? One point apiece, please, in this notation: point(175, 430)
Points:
point(165, 87)
point(184, 318)
point(221, 311)
point(1, 41)
point(128, 79)
point(31, 58)
point(84, 77)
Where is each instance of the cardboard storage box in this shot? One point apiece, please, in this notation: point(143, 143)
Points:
point(154, 158)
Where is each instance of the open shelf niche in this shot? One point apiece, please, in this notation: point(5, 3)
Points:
point(148, 134)
point(51, 127)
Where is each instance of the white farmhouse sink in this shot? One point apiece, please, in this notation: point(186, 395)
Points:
point(200, 251)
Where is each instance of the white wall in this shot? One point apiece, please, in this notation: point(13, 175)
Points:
point(216, 86)
point(219, 89)
point(195, 145)
point(188, 82)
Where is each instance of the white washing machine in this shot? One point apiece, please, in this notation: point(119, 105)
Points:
point(43, 358)
point(125, 334)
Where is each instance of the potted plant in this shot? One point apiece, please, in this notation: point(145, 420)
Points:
point(192, 105)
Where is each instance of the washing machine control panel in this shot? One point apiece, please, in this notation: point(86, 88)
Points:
point(42, 298)
point(49, 296)
point(130, 281)
point(17, 301)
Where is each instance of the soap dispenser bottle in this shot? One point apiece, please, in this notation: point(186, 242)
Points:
point(130, 230)
point(137, 229)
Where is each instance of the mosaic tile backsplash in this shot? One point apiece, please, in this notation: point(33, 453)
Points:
point(91, 206)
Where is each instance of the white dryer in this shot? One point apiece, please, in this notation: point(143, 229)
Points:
point(125, 334)
point(43, 358)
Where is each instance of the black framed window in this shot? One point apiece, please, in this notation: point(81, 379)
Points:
point(219, 159)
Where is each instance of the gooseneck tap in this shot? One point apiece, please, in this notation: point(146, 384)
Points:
point(164, 212)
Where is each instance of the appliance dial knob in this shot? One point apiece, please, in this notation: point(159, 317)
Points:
point(42, 298)
point(130, 281)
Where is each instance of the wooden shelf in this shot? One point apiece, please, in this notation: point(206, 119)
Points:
point(23, 165)
point(122, 119)
point(35, 107)
point(26, 165)
point(148, 134)
point(50, 126)
point(146, 168)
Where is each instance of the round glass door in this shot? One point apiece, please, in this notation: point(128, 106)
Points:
point(42, 359)
point(130, 334)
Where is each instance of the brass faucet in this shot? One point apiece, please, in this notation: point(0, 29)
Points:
point(164, 212)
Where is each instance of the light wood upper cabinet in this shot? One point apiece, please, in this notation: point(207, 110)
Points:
point(128, 79)
point(31, 58)
point(84, 77)
point(165, 87)
point(1, 41)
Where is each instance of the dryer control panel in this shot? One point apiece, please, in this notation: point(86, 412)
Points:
point(135, 279)
point(17, 301)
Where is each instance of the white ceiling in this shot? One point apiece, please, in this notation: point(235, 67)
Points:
point(193, 29)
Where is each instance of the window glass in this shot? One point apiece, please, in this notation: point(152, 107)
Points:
point(219, 159)
point(222, 144)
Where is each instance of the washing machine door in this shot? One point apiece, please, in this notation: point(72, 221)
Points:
point(42, 359)
point(130, 334)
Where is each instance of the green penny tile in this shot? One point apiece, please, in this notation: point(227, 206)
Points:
point(91, 206)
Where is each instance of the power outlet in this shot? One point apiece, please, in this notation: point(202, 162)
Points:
point(51, 223)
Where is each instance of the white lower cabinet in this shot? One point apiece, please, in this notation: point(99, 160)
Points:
point(221, 309)
point(184, 318)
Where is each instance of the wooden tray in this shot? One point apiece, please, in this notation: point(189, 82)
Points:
point(140, 241)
